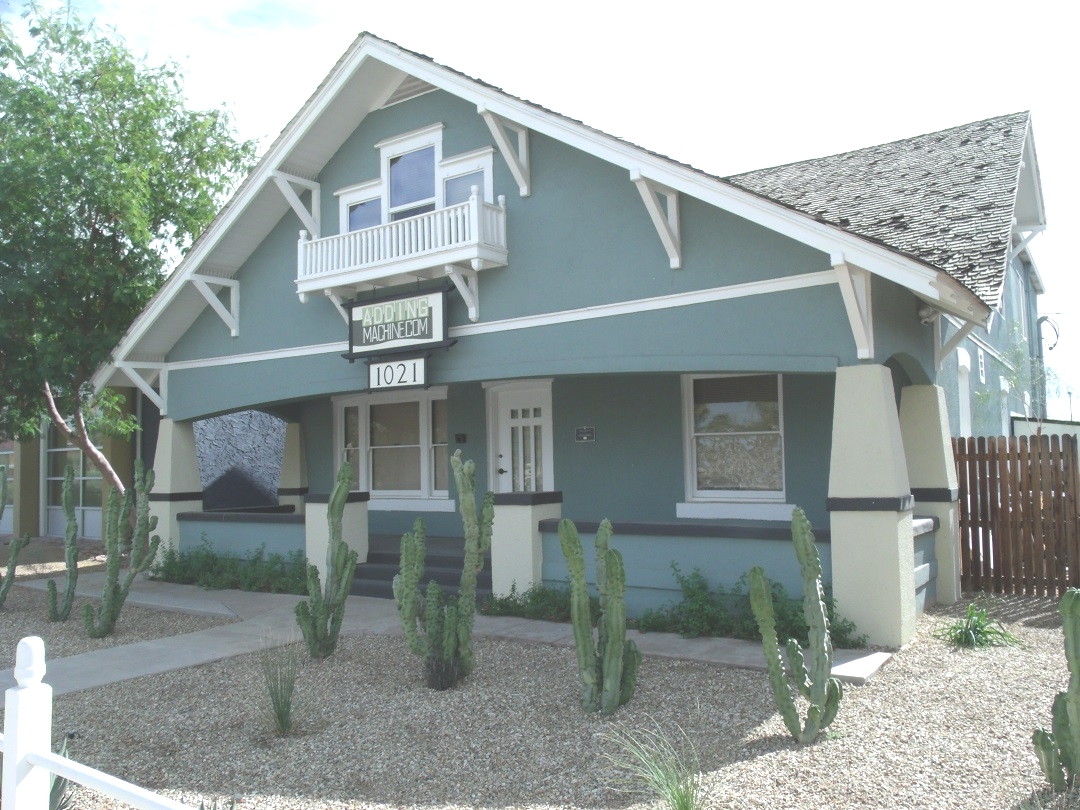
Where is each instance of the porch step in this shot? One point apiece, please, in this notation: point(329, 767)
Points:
point(445, 557)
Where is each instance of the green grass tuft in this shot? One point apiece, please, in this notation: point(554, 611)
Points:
point(649, 760)
point(977, 629)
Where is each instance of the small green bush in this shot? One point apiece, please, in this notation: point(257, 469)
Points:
point(206, 568)
point(279, 667)
point(976, 629)
point(538, 602)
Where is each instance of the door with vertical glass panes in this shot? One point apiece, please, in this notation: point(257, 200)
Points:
point(522, 460)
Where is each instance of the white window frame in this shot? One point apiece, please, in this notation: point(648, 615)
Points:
point(731, 504)
point(425, 499)
point(445, 169)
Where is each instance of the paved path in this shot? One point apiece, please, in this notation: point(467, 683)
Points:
point(267, 619)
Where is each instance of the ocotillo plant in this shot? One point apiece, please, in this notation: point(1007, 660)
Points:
point(439, 629)
point(1059, 750)
point(71, 552)
point(608, 667)
point(320, 617)
point(143, 549)
point(816, 684)
point(16, 545)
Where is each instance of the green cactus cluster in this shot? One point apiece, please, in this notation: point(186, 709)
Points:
point(439, 628)
point(814, 682)
point(16, 546)
point(608, 665)
point(321, 616)
point(139, 544)
point(71, 552)
point(1058, 750)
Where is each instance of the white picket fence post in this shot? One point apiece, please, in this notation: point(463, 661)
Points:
point(29, 760)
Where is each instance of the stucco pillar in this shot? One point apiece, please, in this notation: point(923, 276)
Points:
point(176, 479)
point(924, 425)
point(870, 507)
point(354, 529)
point(517, 553)
point(293, 485)
point(26, 512)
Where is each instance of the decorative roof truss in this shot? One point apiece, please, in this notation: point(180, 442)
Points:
point(516, 154)
point(230, 316)
point(664, 216)
point(133, 370)
point(855, 289)
point(309, 216)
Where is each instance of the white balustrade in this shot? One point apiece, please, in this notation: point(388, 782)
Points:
point(27, 745)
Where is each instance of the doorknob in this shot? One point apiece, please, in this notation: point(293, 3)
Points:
point(501, 471)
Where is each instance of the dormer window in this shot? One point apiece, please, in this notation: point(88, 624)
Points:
point(415, 180)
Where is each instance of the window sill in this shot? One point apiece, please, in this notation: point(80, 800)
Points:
point(412, 505)
point(734, 510)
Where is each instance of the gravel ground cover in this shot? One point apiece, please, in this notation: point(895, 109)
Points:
point(937, 728)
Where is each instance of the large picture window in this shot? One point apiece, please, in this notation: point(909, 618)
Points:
point(735, 437)
point(396, 443)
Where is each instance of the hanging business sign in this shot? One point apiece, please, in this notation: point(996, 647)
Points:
point(396, 324)
point(406, 373)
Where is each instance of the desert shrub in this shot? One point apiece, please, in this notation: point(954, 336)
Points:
point(206, 568)
point(541, 601)
point(976, 628)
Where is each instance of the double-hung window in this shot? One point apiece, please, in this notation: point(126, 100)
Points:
point(396, 444)
point(415, 179)
point(734, 442)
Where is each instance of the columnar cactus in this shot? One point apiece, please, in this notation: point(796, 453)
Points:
point(320, 618)
point(815, 684)
point(439, 629)
point(607, 667)
point(143, 550)
point(71, 552)
point(1059, 750)
point(16, 545)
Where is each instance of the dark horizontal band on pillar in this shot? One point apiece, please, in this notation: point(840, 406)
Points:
point(175, 496)
point(527, 498)
point(292, 491)
point(324, 497)
point(938, 495)
point(895, 504)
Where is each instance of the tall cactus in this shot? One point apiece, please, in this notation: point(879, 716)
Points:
point(320, 618)
point(143, 550)
point(71, 552)
point(437, 628)
point(16, 545)
point(1058, 750)
point(823, 692)
point(607, 667)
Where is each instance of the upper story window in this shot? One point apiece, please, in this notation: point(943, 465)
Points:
point(415, 179)
point(734, 437)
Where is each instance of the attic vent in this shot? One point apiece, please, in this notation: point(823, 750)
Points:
point(410, 87)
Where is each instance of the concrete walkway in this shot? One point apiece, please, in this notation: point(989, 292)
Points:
point(268, 619)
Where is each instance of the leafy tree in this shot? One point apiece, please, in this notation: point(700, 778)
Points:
point(105, 176)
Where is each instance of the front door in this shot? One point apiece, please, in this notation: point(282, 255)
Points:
point(522, 459)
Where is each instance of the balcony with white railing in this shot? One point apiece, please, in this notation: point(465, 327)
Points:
point(471, 234)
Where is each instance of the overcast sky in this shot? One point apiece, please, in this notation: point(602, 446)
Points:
point(724, 87)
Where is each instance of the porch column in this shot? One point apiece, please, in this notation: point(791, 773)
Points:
point(924, 424)
point(354, 528)
point(294, 484)
point(517, 553)
point(870, 502)
point(176, 479)
point(26, 511)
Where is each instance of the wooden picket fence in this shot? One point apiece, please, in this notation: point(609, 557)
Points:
point(1019, 521)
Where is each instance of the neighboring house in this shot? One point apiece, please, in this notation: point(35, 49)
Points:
point(423, 264)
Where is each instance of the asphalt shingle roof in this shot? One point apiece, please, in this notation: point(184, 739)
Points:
point(946, 199)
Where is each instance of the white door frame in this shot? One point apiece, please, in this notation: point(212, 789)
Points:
point(541, 389)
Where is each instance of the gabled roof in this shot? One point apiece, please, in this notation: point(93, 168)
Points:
point(947, 198)
point(373, 73)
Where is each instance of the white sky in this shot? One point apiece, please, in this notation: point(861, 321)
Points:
point(725, 87)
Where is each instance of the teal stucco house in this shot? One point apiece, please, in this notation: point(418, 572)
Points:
point(422, 263)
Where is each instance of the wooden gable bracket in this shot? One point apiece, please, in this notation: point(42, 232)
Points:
point(310, 218)
point(230, 316)
point(338, 301)
point(516, 155)
point(132, 370)
point(468, 284)
point(943, 350)
point(665, 217)
point(1025, 239)
point(855, 290)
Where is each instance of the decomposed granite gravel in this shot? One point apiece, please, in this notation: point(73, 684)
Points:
point(937, 728)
